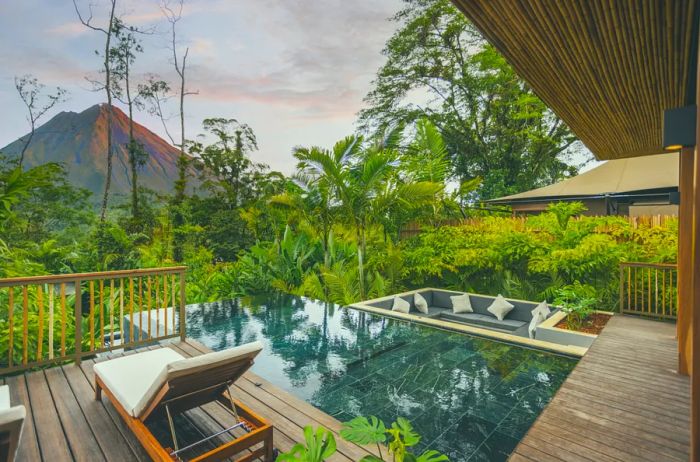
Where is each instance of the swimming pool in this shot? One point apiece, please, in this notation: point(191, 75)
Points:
point(471, 398)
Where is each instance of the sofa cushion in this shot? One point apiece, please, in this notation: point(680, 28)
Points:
point(135, 379)
point(435, 312)
point(401, 305)
point(420, 303)
point(500, 307)
point(461, 304)
point(484, 320)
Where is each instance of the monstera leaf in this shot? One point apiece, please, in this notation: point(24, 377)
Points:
point(361, 430)
point(405, 431)
point(320, 445)
point(427, 456)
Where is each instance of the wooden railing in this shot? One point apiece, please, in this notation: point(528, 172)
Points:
point(57, 318)
point(649, 289)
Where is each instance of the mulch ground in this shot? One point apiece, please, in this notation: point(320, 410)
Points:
point(593, 325)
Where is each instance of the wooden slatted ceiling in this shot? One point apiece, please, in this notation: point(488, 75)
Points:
point(608, 68)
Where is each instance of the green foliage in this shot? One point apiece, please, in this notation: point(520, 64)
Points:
point(493, 125)
point(400, 436)
point(532, 258)
point(578, 301)
point(320, 445)
point(563, 211)
point(364, 431)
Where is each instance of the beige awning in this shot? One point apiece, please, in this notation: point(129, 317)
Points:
point(613, 177)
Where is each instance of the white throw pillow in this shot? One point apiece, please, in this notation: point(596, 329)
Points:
point(421, 303)
point(537, 318)
point(542, 308)
point(401, 305)
point(500, 307)
point(461, 304)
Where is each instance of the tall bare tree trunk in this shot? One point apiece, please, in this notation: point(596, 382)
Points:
point(173, 17)
point(133, 149)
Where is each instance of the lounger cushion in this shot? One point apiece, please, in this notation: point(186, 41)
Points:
point(401, 305)
point(4, 397)
point(135, 379)
point(202, 363)
point(421, 303)
point(11, 423)
point(500, 307)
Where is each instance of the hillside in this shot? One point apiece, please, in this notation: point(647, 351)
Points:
point(79, 141)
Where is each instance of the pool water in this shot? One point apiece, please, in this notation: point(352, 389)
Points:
point(470, 398)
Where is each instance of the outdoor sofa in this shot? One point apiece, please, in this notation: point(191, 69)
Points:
point(516, 322)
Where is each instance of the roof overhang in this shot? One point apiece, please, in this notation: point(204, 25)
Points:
point(608, 68)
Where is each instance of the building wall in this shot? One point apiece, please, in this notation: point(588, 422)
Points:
point(599, 207)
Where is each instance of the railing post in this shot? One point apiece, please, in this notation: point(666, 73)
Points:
point(183, 332)
point(622, 285)
point(78, 321)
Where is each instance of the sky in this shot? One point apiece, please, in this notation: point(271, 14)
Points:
point(296, 71)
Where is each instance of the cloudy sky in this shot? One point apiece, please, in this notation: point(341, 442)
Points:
point(295, 70)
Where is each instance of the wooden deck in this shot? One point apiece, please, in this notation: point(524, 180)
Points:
point(622, 402)
point(65, 423)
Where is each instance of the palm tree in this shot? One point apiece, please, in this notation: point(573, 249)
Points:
point(362, 183)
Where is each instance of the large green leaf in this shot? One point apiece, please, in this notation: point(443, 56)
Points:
point(427, 456)
point(320, 445)
point(409, 437)
point(361, 430)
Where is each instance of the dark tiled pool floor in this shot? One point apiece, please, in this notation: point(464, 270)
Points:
point(472, 399)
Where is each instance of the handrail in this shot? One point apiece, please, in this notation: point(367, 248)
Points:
point(55, 278)
point(649, 289)
point(65, 317)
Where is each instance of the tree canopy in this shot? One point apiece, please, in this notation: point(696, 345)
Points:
point(438, 66)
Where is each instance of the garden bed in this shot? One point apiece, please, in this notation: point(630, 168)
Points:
point(594, 324)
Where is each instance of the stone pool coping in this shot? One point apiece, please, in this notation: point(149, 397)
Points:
point(569, 350)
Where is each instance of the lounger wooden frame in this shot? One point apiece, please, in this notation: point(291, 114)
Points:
point(186, 392)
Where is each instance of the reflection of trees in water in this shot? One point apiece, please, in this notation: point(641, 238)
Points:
point(224, 321)
point(311, 348)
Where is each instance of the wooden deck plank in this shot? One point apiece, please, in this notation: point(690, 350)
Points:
point(79, 435)
point(623, 401)
point(29, 443)
point(47, 424)
point(140, 454)
point(112, 440)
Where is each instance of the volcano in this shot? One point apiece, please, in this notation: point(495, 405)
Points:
point(79, 142)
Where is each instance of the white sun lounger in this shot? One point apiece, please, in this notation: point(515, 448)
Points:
point(160, 383)
point(11, 423)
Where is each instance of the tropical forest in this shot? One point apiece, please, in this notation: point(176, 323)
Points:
point(334, 229)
